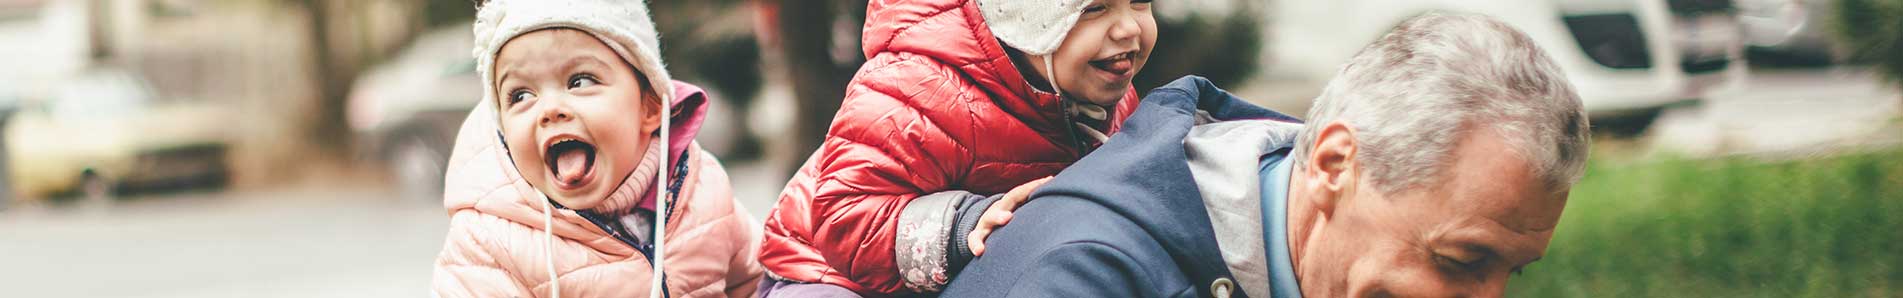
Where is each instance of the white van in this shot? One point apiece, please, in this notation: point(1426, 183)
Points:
point(1625, 57)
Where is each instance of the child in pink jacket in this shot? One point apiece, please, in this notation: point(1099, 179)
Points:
point(567, 172)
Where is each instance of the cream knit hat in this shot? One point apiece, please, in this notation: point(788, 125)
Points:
point(1035, 27)
point(624, 25)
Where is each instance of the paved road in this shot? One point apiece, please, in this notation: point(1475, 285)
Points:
point(336, 241)
point(1787, 111)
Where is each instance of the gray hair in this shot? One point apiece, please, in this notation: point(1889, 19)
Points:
point(1412, 94)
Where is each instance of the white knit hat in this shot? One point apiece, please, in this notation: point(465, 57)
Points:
point(1035, 27)
point(624, 25)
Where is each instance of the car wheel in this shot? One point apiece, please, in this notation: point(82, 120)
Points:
point(418, 168)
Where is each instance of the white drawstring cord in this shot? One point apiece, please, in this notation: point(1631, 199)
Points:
point(1050, 76)
point(659, 288)
point(548, 248)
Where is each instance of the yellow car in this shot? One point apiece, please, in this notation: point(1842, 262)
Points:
point(106, 131)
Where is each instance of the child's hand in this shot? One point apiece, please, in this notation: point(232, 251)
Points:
point(1000, 213)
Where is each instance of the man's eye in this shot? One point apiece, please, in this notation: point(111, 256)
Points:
point(519, 95)
point(582, 81)
point(1455, 263)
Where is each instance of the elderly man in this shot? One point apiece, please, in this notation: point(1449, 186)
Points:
point(1435, 164)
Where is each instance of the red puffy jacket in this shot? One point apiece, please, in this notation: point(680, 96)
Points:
point(938, 106)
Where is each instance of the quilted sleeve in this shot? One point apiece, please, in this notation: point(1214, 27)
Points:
point(466, 268)
point(881, 153)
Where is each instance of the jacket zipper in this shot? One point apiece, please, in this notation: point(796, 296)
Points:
point(1070, 129)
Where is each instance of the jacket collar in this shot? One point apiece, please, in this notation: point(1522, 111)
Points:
point(1142, 173)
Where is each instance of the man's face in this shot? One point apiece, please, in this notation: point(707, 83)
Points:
point(1464, 237)
point(573, 114)
point(1103, 51)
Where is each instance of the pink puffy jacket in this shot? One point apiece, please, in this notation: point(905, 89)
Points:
point(495, 243)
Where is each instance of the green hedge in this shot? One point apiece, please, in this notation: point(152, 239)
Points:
point(1828, 227)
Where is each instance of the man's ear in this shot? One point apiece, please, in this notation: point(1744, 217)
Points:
point(1333, 165)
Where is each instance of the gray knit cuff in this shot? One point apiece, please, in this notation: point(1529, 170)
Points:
point(925, 227)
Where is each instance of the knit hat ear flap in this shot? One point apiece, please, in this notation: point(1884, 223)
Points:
point(1035, 27)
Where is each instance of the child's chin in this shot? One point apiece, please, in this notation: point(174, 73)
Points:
point(1106, 98)
point(573, 201)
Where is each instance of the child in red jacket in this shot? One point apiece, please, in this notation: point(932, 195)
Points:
point(960, 111)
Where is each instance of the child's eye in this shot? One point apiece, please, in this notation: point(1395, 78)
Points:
point(519, 95)
point(1141, 1)
point(581, 81)
point(1093, 8)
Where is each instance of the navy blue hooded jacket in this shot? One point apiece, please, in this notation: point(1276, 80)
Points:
point(1125, 221)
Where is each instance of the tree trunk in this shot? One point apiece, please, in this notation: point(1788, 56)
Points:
point(819, 82)
point(326, 129)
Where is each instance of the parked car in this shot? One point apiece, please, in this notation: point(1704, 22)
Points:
point(106, 131)
point(1625, 57)
point(406, 111)
point(1789, 31)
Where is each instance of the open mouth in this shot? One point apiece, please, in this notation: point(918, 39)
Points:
point(571, 161)
point(1117, 66)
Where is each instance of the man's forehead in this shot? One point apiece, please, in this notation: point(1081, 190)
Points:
point(1523, 214)
point(1489, 180)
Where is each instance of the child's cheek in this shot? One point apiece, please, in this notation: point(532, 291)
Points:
point(523, 151)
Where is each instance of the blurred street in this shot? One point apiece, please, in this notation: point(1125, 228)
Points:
point(300, 241)
point(1787, 111)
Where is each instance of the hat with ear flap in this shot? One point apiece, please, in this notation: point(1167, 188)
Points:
point(623, 25)
point(1034, 27)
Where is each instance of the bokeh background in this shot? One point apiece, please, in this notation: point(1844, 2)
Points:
point(287, 148)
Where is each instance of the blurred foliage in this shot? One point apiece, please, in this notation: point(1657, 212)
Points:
point(1221, 48)
point(1873, 31)
point(447, 12)
point(1735, 227)
point(711, 42)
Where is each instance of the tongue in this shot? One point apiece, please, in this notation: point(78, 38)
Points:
point(571, 164)
point(1118, 66)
